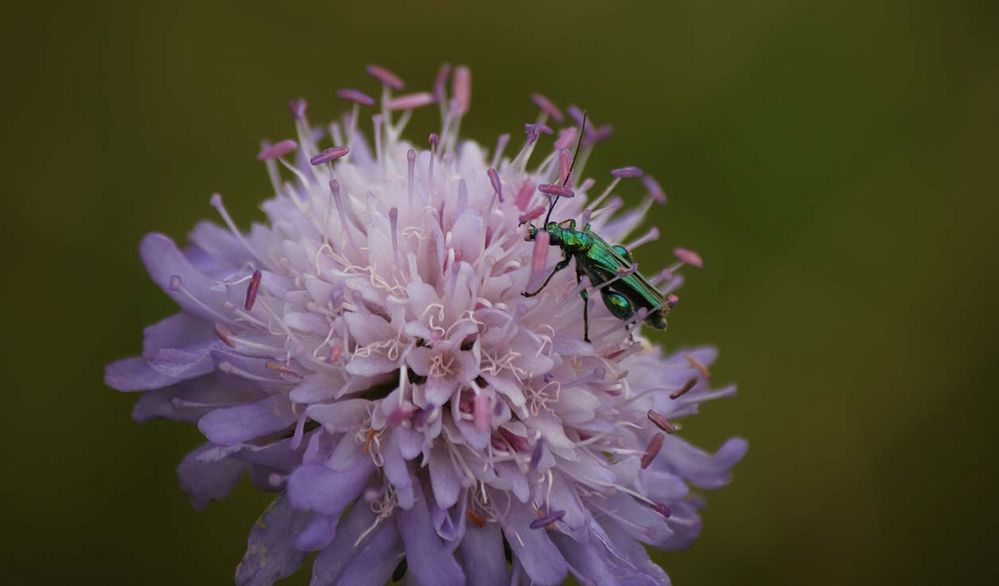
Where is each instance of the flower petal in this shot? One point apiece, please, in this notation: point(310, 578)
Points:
point(397, 472)
point(598, 560)
point(165, 262)
point(177, 331)
point(135, 374)
point(376, 560)
point(205, 478)
point(315, 487)
point(701, 468)
point(191, 399)
point(444, 479)
point(429, 560)
point(481, 553)
point(271, 553)
point(233, 425)
point(184, 363)
point(533, 548)
point(318, 533)
point(340, 416)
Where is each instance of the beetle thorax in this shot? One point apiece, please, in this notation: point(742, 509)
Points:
point(568, 239)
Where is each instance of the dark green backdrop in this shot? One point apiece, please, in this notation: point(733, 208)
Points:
point(830, 160)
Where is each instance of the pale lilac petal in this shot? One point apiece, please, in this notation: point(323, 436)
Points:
point(439, 389)
point(376, 560)
point(373, 365)
point(191, 399)
point(685, 522)
point(180, 330)
point(540, 558)
point(613, 537)
point(481, 554)
point(397, 473)
point(219, 244)
point(317, 488)
point(185, 363)
point(444, 478)
point(318, 533)
point(638, 519)
point(271, 553)
point(598, 560)
point(233, 425)
point(171, 271)
point(663, 486)
point(701, 468)
point(135, 374)
point(564, 498)
point(340, 416)
point(410, 442)
point(449, 523)
point(205, 477)
point(316, 389)
point(331, 561)
point(429, 560)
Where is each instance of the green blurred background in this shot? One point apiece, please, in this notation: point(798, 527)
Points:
point(832, 161)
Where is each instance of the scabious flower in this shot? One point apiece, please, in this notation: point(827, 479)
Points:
point(367, 355)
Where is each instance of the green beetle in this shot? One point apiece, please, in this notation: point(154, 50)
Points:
point(601, 262)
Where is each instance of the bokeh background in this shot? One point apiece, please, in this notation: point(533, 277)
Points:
point(834, 162)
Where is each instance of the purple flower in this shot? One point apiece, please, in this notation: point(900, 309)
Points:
point(367, 355)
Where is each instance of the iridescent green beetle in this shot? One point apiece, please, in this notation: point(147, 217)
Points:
point(609, 267)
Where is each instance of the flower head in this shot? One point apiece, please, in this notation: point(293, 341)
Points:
point(368, 355)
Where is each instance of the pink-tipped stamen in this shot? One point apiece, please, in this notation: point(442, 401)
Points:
point(627, 172)
point(558, 190)
point(655, 190)
point(411, 162)
point(501, 143)
point(440, 82)
point(386, 77)
point(495, 181)
point(689, 257)
point(655, 444)
point(533, 214)
point(543, 522)
point(410, 101)
point(277, 150)
point(566, 138)
point(540, 253)
point(548, 107)
point(564, 166)
point(330, 154)
point(660, 421)
point(356, 96)
point(298, 107)
point(662, 509)
point(524, 195)
point(687, 386)
point(461, 87)
point(251, 290)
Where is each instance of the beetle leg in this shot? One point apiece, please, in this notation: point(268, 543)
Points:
point(586, 313)
point(561, 265)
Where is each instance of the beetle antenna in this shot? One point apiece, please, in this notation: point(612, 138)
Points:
point(568, 174)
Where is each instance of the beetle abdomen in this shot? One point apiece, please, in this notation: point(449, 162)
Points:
point(657, 319)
